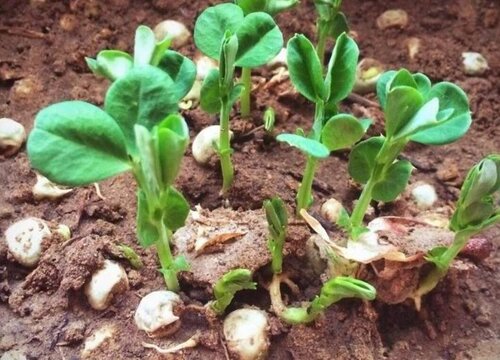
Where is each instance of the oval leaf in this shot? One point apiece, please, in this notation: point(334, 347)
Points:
point(341, 132)
point(403, 102)
point(394, 183)
point(305, 68)
point(145, 96)
point(259, 40)
point(383, 87)
point(113, 64)
point(181, 70)
point(341, 73)
point(144, 46)
point(362, 159)
point(212, 24)
point(75, 143)
point(175, 209)
point(308, 146)
point(455, 118)
point(210, 93)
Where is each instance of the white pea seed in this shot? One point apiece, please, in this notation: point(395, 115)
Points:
point(424, 195)
point(45, 189)
point(105, 283)
point(12, 137)
point(176, 30)
point(24, 240)
point(474, 63)
point(392, 18)
point(203, 144)
point(368, 72)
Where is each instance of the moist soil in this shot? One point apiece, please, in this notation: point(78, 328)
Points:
point(44, 313)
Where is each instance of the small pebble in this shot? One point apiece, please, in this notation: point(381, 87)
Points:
point(474, 63)
point(392, 18)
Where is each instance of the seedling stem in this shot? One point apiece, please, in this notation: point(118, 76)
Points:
point(246, 80)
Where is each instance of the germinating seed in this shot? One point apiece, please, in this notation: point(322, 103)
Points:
point(12, 137)
point(45, 189)
point(24, 240)
point(368, 72)
point(106, 282)
point(203, 144)
point(175, 30)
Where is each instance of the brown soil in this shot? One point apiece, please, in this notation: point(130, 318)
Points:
point(44, 312)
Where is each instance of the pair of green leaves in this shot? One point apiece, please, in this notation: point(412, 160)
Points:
point(75, 143)
point(272, 7)
point(339, 132)
point(334, 290)
point(415, 110)
point(330, 19)
point(115, 64)
point(363, 161)
point(226, 287)
point(259, 38)
point(306, 71)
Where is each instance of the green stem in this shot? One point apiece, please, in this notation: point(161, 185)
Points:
point(322, 37)
point(362, 204)
point(304, 194)
point(246, 80)
point(225, 148)
point(166, 259)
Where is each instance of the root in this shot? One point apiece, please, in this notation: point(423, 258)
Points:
point(98, 192)
point(275, 292)
point(190, 343)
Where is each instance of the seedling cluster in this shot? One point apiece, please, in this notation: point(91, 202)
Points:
point(140, 130)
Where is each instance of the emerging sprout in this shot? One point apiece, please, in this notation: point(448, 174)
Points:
point(105, 283)
point(226, 287)
point(157, 313)
point(131, 256)
point(206, 143)
point(277, 223)
point(45, 189)
point(76, 143)
point(392, 18)
point(332, 291)
point(247, 334)
point(367, 74)
point(24, 240)
point(269, 119)
point(330, 131)
point(12, 137)
point(424, 195)
point(173, 30)
point(477, 209)
point(474, 63)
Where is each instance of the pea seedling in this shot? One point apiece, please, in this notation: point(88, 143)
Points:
point(330, 23)
point(115, 64)
point(259, 40)
point(272, 7)
point(332, 291)
point(228, 285)
point(478, 208)
point(76, 143)
point(330, 131)
point(414, 111)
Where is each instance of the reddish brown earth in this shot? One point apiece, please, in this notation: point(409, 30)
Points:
point(44, 314)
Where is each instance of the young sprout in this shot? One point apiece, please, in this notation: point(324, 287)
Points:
point(414, 111)
point(332, 291)
point(330, 131)
point(130, 255)
point(269, 119)
point(247, 334)
point(330, 23)
point(75, 143)
point(478, 208)
point(277, 220)
point(258, 37)
point(115, 64)
point(226, 287)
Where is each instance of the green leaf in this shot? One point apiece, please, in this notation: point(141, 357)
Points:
point(449, 127)
point(341, 73)
point(148, 160)
point(341, 132)
point(250, 6)
point(75, 143)
point(131, 256)
point(226, 287)
point(269, 119)
point(229, 50)
point(144, 46)
point(403, 102)
point(395, 181)
point(259, 40)
point(212, 24)
point(425, 118)
point(210, 100)
point(274, 7)
point(175, 209)
point(181, 70)
point(160, 49)
point(112, 64)
point(383, 87)
point(309, 146)
point(145, 96)
point(172, 139)
point(423, 84)
point(146, 231)
point(402, 78)
point(362, 159)
point(305, 68)
point(339, 25)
